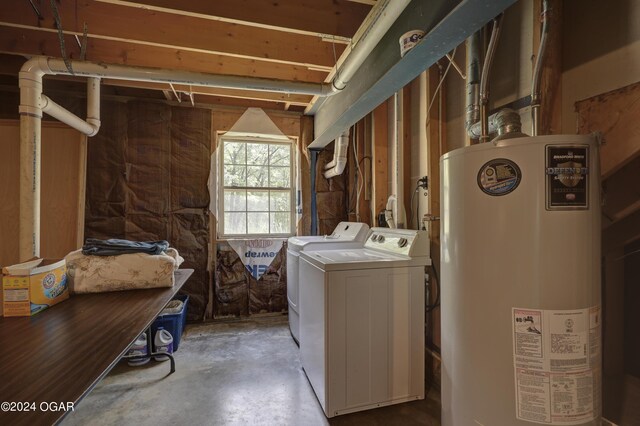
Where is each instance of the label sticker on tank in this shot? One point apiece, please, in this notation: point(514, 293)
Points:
point(499, 177)
point(556, 360)
point(567, 176)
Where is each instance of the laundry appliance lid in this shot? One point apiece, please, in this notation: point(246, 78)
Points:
point(360, 258)
point(345, 233)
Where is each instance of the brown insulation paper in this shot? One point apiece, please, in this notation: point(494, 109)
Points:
point(146, 180)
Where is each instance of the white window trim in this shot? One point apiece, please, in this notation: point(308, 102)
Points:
point(292, 190)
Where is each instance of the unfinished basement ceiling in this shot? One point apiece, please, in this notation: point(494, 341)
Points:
point(293, 40)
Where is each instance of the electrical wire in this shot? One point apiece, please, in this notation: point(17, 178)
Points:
point(358, 173)
point(351, 195)
point(415, 191)
point(435, 93)
point(63, 51)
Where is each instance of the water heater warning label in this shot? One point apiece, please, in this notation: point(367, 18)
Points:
point(499, 177)
point(567, 177)
point(556, 359)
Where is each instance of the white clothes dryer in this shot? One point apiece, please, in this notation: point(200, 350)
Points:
point(346, 235)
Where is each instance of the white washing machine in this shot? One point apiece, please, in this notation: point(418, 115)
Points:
point(362, 321)
point(346, 235)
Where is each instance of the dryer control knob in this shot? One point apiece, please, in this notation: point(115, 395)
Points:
point(402, 242)
point(381, 238)
point(374, 237)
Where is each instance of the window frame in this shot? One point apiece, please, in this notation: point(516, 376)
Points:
point(221, 188)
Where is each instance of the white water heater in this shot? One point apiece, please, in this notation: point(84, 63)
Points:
point(520, 259)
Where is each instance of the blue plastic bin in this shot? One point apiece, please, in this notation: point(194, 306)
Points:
point(173, 323)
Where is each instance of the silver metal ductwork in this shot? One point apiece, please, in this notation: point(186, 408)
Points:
point(505, 122)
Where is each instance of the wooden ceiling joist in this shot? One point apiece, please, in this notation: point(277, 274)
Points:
point(186, 33)
point(30, 42)
point(339, 18)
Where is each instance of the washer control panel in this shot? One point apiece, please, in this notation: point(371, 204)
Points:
point(406, 242)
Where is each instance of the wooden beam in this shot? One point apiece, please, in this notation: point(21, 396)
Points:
point(369, 2)
point(24, 41)
point(365, 210)
point(436, 146)
point(380, 164)
point(331, 17)
point(551, 78)
point(179, 32)
point(11, 64)
point(406, 141)
point(82, 190)
point(202, 100)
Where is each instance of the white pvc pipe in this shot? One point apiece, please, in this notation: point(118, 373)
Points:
point(93, 103)
point(91, 126)
point(59, 113)
point(383, 14)
point(390, 211)
point(337, 165)
point(30, 147)
point(126, 72)
point(29, 229)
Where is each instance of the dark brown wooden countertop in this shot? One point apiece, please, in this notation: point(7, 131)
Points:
point(60, 354)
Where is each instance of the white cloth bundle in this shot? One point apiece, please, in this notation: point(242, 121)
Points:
point(98, 274)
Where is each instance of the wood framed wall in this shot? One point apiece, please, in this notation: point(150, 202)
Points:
point(63, 177)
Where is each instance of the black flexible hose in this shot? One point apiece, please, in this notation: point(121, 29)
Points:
point(435, 304)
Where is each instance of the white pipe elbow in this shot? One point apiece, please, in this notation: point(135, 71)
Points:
point(56, 111)
point(35, 68)
point(336, 170)
point(337, 165)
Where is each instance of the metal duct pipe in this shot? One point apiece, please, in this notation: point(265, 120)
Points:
point(504, 122)
point(375, 26)
point(473, 82)
point(484, 80)
point(336, 166)
point(537, 70)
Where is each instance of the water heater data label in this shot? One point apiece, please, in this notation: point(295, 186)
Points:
point(499, 177)
point(567, 177)
point(556, 359)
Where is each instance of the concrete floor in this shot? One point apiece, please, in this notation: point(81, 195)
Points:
point(233, 373)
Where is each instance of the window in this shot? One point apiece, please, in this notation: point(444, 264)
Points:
point(257, 190)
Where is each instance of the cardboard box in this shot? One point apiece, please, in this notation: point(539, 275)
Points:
point(33, 286)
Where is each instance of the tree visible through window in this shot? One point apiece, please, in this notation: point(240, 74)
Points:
point(257, 190)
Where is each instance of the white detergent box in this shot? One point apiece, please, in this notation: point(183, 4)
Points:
point(33, 286)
